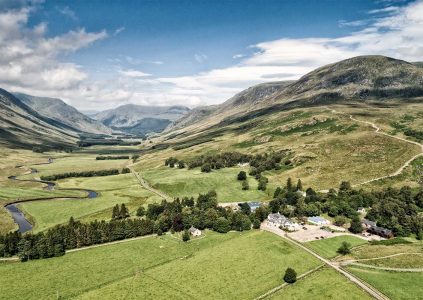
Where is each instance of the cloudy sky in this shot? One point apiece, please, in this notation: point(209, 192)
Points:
point(98, 54)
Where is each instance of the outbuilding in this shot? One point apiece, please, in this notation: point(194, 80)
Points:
point(194, 231)
point(317, 220)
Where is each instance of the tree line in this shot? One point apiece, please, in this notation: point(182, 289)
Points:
point(85, 174)
point(158, 218)
point(112, 157)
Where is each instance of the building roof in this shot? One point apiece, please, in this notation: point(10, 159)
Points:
point(368, 223)
point(317, 219)
point(192, 229)
point(254, 204)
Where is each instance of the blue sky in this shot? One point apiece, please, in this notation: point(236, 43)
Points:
point(101, 54)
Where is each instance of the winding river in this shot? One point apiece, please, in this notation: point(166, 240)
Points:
point(19, 217)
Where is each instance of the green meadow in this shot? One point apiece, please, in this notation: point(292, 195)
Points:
point(396, 285)
point(112, 190)
point(325, 283)
point(183, 182)
point(219, 266)
point(328, 247)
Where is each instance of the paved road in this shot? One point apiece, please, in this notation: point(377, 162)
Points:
point(365, 286)
point(145, 185)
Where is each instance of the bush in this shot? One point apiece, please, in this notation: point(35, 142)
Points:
point(344, 249)
point(141, 211)
point(256, 223)
point(242, 175)
point(185, 236)
point(245, 185)
point(290, 275)
point(206, 168)
point(112, 157)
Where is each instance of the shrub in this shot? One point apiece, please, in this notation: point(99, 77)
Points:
point(344, 249)
point(242, 175)
point(185, 236)
point(245, 185)
point(290, 275)
point(206, 168)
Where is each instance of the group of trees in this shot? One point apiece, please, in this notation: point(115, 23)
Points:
point(258, 163)
point(112, 157)
point(414, 133)
point(394, 209)
point(120, 213)
point(85, 174)
point(172, 162)
point(242, 176)
point(74, 234)
point(202, 213)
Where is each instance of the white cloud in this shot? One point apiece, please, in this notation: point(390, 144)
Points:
point(30, 62)
point(133, 73)
point(66, 11)
point(236, 56)
point(118, 30)
point(200, 58)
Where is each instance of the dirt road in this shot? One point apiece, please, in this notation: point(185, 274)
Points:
point(365, 286)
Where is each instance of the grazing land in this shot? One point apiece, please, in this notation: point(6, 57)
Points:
point(396, 285)
point(328, 247)
point(158, 267)
point(112, 190)
point(189, 183)
point(325, 283)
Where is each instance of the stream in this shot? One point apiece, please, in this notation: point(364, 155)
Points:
point(19, 217)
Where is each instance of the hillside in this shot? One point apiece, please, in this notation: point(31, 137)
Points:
point(60, 111)
point(138, 119)
point(23, 127)
point(359, 78)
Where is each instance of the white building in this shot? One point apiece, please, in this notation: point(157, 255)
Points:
point(283, 222)
point(194, 231)
point(318, 220)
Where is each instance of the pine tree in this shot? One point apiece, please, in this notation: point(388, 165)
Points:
point(185, 236)
point(299, 185)
point(289, 184)
point(124, 213)
point(115, 213)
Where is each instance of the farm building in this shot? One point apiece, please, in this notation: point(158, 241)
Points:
point(283, 222)
point(317, 220)
point(254, 205)
point(194, 231)
point(373, 228)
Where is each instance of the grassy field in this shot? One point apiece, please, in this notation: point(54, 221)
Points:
point(408, 261)
point(112, 190)
point(77, 162)
point(323, 284)
point(225, 266)
point(396, 285)
point(328, 247)
point(375, 251)
point(183, 182)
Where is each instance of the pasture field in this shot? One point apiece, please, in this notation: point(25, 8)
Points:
point(77, 162)
point(325, 283)
point(183, 182)
point(215, 266)
point(328, 247)
point(117, 189)
point(375, 251)
point(396, 285)
point(406, 260)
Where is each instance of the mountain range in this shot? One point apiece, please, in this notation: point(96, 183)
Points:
point(359, 78)
point(27, 120)
point(140, 120)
